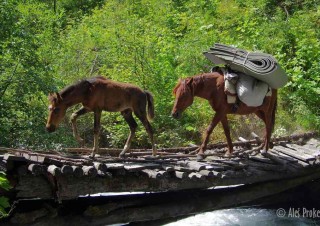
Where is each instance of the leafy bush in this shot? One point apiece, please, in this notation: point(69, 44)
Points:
point(4, 202)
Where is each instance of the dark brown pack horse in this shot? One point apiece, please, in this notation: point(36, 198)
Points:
point(210, 86)
point(98, 94)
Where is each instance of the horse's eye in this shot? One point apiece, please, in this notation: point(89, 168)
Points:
point(56, 110)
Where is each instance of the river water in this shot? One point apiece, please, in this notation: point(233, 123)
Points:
point(248, 217)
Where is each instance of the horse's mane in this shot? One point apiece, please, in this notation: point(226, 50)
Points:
point(182, 82)
point(83, 84)
point(176, 87)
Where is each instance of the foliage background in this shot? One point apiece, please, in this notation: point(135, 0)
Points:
point(46, 46)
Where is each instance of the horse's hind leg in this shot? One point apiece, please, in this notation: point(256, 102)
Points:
point(226, 129)
point(127, 114)
point(268, 127)
point(96, 131)
point(143, 118)
point(268, 132)
point(73, 120)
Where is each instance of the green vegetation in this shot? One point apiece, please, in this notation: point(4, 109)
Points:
point(46, 45)
point(4, 202)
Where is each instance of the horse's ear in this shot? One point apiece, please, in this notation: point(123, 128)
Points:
point(51, 96)
point(58, 97)
point(189, 82)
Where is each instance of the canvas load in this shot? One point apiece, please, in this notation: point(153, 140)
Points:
point(262, 66)
point(248, 89)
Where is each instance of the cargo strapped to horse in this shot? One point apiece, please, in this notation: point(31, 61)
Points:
point(261, 66)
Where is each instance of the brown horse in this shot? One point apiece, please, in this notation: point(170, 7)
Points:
point(97, 94)
point(210, 86)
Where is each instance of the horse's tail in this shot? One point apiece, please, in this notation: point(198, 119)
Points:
point(274, 110)
point(150, 105)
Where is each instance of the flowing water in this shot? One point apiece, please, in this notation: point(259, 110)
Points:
point(245, 217)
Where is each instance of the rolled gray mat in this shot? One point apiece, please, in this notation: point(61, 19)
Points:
point(262, 66)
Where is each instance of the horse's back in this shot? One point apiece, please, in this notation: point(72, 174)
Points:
point(114, 96)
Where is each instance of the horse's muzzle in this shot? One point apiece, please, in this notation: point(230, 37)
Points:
point(50, 128)
point(176, 115)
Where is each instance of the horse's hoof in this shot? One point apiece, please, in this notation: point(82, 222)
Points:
point(200, 157)
point(227, 155)
point(91, 156)
point(263, 152)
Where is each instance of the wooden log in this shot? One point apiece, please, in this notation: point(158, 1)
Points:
point(228, 174)
point(36, 158)
point(237, 165)
point(196, 176)
point(218, 167)
point(11, 157)
point(168, 168)
point(164, 173)
point(216, 173)
point(304, 149)
point(100, 166)
point(114, 166)
point(295, 154)
point(206, 173)
point(260, 158)
point(49, 158)
point(183, 169)
point(146, 153)
point(193, 165)
point(265, 166)
point(274, 157)
point(256, 137)
point(132, 167)
point(89, 171)
point(77, 171)
point(36, 169)
point(67, 170)
point(242, 139)
point(181, 174)
point(284, 157)
point(118, 172)
point(152, 173)
point(54, 170)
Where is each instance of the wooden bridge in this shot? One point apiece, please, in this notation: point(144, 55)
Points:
point(62, 176)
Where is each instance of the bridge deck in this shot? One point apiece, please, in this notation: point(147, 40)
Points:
point(71, 174)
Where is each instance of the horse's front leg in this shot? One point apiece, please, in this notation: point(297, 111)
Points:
point(96, 132)
point(73, 120)
point(216, 119)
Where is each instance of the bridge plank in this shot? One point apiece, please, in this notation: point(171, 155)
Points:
point(295, 154)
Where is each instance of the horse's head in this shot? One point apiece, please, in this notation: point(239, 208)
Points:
point(184, 95)
point(57, 110)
